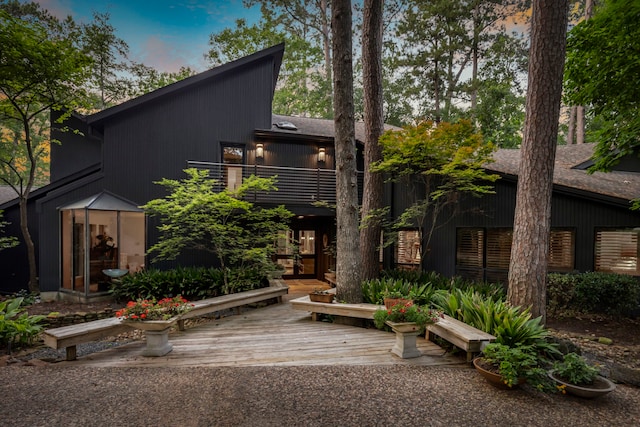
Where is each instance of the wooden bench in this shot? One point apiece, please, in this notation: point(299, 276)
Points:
point(461, 335)
point(68, 337)
point(362, 311)
point(458, 333)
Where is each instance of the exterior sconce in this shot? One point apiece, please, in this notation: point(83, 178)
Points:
point(321, 154)
point(259, 151)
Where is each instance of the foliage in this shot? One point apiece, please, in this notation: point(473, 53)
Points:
point(512, 326)
point(574, 369)
point(6, 242)
point(197, 216)
point(375, 290)
point(41, 70)
point(194, 283)
point(602, 61)
point(17, 327)
point(404, 313)
point(445, 160)
point(516, 363)
point(593, 292)
point(165, 309)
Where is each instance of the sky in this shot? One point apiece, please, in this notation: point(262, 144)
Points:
point(162, 34)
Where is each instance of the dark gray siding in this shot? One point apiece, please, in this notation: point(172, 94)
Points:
point(76, 151)
point(573, 211)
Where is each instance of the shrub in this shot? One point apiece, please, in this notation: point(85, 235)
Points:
point(593, 292)
point(607, 292)
point(574, 369)
point(17, 327)
point(193, 283)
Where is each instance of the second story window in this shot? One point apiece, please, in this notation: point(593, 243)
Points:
point(233, 159)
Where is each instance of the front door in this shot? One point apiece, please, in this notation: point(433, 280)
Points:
point(297, 253)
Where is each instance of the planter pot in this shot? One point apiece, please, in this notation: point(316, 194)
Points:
point(600, 387)
point(493, 378)
point(327, 298)
point(390, 302)
point(406, 335)
point(157, 335)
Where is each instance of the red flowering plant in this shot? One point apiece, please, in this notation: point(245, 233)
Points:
point(151, 309)
point(406, 313)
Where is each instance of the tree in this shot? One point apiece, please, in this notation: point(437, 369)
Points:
point(532, 223)
point(303, 88)
point(195, 216)
point(109, 54)
point(145, 79)
point(603, 60)
point(372, 200)
point(348, 270)
point(439, 163)
point(38, 71)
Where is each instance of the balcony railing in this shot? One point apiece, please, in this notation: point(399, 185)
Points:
point(296, 186)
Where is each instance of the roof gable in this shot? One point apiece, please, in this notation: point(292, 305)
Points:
point(275, 53)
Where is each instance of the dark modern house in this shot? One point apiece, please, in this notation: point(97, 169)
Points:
point(88, 218)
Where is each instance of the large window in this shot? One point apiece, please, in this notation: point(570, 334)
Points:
point(408, 247)
point(484, 254)
point(616, 251)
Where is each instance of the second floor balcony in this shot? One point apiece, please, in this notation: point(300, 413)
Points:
point(296, 186)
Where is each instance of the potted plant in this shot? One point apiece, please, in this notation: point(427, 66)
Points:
point(575, 376)
point(392, 298)
point(155, 318)
point(507, 367)
point(321, 295)
point(407, 321)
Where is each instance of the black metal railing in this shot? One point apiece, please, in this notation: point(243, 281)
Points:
point(296, 186)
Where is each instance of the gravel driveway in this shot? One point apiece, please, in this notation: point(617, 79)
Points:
point(290, 396)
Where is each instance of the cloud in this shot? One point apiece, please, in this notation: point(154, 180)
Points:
point(168, 56)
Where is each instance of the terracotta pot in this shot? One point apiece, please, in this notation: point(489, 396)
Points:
point(326, 298)
point(390, 302)
point(493, 378)
point(151, 325)
point(600, 387)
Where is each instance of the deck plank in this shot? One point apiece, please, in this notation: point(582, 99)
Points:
point(276, 335)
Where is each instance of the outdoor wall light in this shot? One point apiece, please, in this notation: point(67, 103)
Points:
point(259, 151)
point(321, 154)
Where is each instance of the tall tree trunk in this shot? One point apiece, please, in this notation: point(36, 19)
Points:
point(580, 124)
point(532, 223)
point(326, 46)
point(348, 271)
point(571, 132)
point(372, 200)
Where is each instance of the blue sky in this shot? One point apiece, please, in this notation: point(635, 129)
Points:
point(162, 34)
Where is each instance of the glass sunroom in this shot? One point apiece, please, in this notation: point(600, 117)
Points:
point(102, 237)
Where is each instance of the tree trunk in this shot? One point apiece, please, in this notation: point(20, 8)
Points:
point(532, 223)
point(326, 46)
point(580, 124)
point(348, 252)
point(372, 200)
point(571, 131)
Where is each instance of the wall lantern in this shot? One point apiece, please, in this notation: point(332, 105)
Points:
point(259, 151)
point(321, 154)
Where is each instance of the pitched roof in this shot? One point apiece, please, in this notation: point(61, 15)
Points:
point(276, 52)
point(620, 185)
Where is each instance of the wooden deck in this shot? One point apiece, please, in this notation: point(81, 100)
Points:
point(275, 335)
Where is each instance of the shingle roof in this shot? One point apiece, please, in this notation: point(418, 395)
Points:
point(622, 185)
point(6, 194)
point(316, 127)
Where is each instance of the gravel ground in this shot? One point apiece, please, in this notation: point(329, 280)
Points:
point(52, 395)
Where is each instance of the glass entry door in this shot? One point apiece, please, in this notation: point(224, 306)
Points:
point(297, 253)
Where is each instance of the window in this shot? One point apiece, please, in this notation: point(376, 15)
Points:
point(616, 251)
point(233, 159)
point(485, 254)
point(408, 247)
